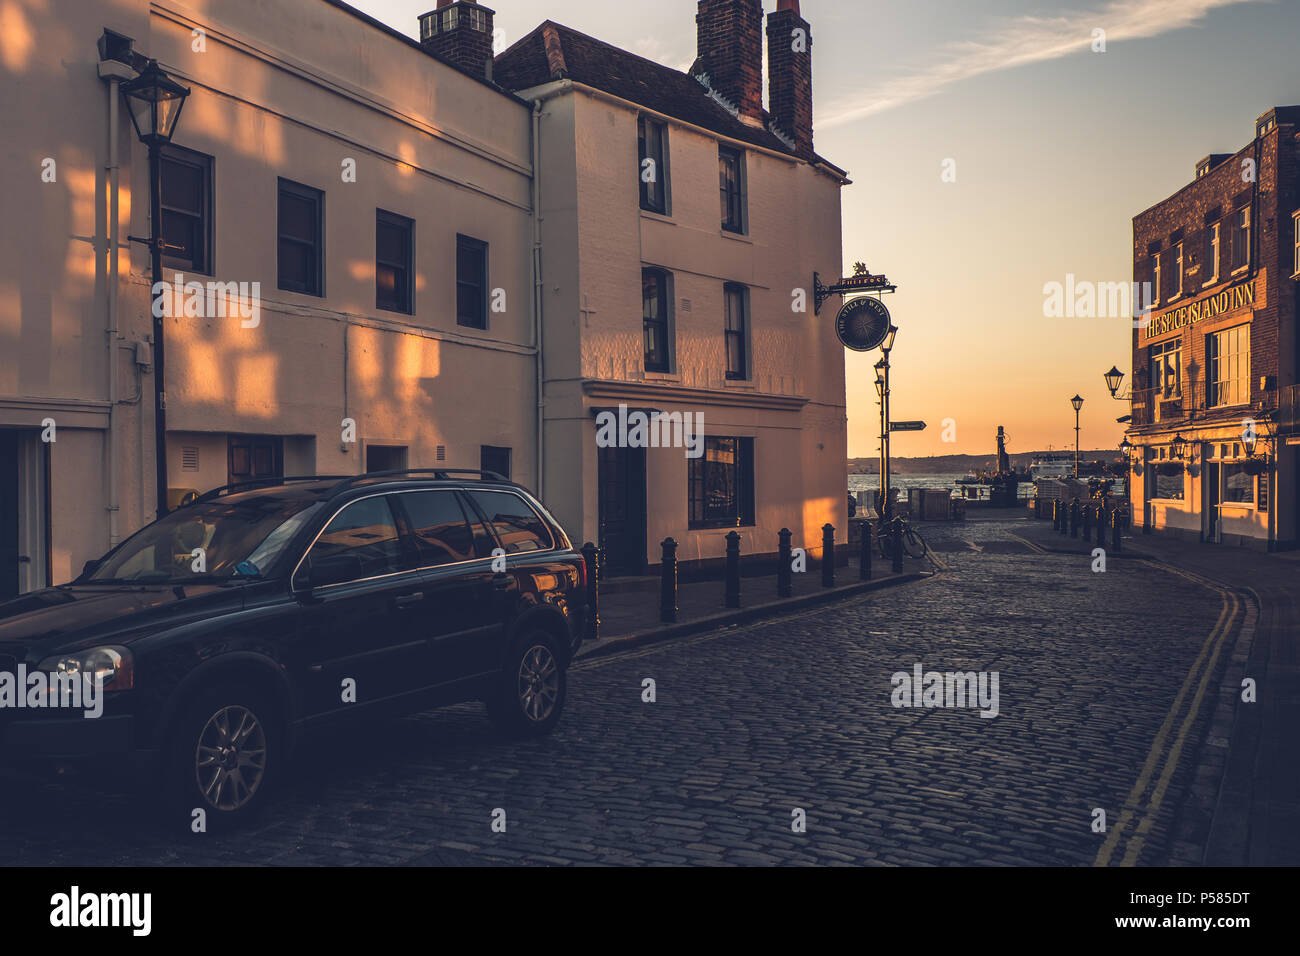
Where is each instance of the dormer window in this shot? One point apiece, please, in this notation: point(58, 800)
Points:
point(477, 19)
point(450, 19)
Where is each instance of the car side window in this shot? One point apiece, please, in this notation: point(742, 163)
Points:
point(516, 524)
point(438, 524)
point(360, 542)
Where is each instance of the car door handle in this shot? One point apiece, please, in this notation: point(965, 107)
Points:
point(406, 600)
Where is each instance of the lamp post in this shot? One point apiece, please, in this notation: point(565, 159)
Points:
point(882, 389)
point(1077, 402)
point(1113, 379)
point(154, 100)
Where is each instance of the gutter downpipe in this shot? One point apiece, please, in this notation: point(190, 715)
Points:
point(110, 72)
point(538, 299)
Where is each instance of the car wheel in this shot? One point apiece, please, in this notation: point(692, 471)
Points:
point(528, 696)
point(225, 754)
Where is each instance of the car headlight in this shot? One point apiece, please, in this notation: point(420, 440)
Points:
point(110, 667)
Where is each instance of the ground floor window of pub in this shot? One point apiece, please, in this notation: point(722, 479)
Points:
point(1167, 369)
point(495, 459)
point(1166, 479)
point(1238, 486)
point(721, 484)
point(1229, 366)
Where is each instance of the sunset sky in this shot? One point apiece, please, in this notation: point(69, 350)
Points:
point(1056, 149)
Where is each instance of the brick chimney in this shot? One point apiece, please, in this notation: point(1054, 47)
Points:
point(789, 75)
point(730, 50)
point(460, 31)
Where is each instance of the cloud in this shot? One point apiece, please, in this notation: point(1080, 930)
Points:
point(652, 48)
point(1021, 41)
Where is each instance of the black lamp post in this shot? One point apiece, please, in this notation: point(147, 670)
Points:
point(1113, 379)
point(154, 100)
point(1077, 402)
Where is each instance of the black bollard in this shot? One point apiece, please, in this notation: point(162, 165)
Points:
point(1087, 523)
point(591, 555)
point(864, 554)
point(1065, 518)
point(668, 583)
point(784, 572)
point(1074, 518)
point(1115, 522)
point(733, 570)
point(896, 545)
point(828, 555)
point(1056, 514)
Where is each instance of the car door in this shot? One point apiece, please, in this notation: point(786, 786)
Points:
point(361, 604)
point(454, 556)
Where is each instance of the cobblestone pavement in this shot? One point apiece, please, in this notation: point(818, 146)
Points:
point(753, 723)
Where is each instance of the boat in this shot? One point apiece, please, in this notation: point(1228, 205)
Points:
point(1052, 464)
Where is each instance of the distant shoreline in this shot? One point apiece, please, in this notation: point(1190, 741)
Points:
point(963, 464)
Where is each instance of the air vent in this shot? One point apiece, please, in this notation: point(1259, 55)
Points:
point(442, 452)
point(189, 458)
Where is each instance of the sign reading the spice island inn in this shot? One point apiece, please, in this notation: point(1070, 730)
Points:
point(1240, 296)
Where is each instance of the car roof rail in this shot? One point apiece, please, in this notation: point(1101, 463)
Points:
point(441, 474)
point(256, 483)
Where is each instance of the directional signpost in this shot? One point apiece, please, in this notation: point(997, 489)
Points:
point(907, 426)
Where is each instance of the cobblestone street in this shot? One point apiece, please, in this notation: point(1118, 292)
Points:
point(750, 723)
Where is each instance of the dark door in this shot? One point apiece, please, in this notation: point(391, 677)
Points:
point(1212, 499)
point(255, 456)
point(621, 476)
point(364, 617)
point(8, 514)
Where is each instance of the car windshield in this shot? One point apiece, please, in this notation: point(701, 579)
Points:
point(216, 540)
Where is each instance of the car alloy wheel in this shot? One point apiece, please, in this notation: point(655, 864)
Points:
point(539, 683)
point(230, 758)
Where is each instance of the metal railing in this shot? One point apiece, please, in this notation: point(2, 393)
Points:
point(1155, 405)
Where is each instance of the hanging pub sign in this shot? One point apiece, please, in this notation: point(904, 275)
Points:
point(862, 324)
point(861, 281)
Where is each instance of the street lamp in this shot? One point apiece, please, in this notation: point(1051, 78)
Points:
point(1177, 447)
point(1077, 402)
point(1113, 379)
point(155, 100)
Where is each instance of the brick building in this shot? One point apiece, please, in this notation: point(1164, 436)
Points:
point(1215, 360)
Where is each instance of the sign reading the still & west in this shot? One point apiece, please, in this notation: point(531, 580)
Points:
point(862, 324)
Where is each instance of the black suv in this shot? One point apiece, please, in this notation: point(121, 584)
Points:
point(226, 628)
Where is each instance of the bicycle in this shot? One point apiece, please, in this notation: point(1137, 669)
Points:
point(914, 545)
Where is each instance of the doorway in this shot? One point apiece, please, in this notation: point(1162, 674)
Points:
point(622, 509)
point(24, 512)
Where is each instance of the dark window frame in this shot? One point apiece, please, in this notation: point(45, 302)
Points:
point(405, 302)
point(315, 285)
point(654, 196)
point(662, 322)
point(732, 191)
point(204, 263)
point(700, 514)
point(470, 245)
point(734, 291)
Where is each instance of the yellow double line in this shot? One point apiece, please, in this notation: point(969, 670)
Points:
point(1204, 665)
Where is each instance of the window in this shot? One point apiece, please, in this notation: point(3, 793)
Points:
point(1238, 486)
point(1176, 267)
point(254, 457)
point(721, 484)
point(1168, 486)
point(393, 253)
point(186, 209)
point(517, 525)
point(1295, 235)
point(428, 26)
point(442, 533)
point(360, 542)
point(492, 458)
point(450, 18)
point(1155, 278)
point(1241, 239)
point(1212, 253)
point(653, 167)
point(471, 282)
point(731, 174)
point(477, 19)
point(302, 241)
point(385, 458)
point(1229, 366)
point(654, 316)
point(737, 332)
point(1167, 369)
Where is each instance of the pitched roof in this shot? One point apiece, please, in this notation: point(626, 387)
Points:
point(555, 52)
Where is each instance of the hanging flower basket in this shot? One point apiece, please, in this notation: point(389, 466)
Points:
point(1255, 466)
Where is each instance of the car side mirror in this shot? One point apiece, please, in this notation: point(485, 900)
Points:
point(325, 570)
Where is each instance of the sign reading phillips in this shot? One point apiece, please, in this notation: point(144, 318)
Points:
point(862, 324)
point(1229, 300)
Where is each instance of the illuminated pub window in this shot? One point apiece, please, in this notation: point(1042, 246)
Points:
point(1238, 486)
point(1167, 480)
point(721, 484)
point(1229, 361)
point(1167, 369)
